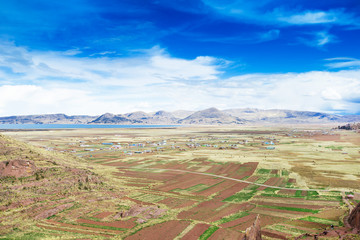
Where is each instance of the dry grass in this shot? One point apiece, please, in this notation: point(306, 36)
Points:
point(308, 159)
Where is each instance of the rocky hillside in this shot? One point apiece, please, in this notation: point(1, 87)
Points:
point(354, 218)
point(35, 185)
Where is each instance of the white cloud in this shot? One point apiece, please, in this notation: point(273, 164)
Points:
point(261, 12)
point(151, 67)
point(330, 94)
point(313, 91)
point(317, 39)
point(343, 62)
point(41, 82)
point(308, 17)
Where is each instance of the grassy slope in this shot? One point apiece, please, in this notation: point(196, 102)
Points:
point(59, 180)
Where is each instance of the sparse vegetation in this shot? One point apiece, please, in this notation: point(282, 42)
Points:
point(126, 194)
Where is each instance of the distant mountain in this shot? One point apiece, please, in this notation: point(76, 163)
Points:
point(140, 116)
point(47, 119)
point(109, 118)
point(210, 116)
point(287, 116)
point(164, 117)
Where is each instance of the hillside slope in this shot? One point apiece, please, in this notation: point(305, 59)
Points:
point(37, 185)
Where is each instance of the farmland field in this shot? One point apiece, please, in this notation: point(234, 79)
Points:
point(199, 183)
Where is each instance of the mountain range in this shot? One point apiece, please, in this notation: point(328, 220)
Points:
point(210, 116)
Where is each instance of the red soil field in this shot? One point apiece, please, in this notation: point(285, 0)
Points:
point(287, 192)
point(188, 180)
point(296, 214)
point(196, 232)
point(249, 218)
point(177, 202)
point(299, 201)
point(72, 230)
point(233, 208)
point(163, 231)
point(251, 166)
point(137, 201)
point(226, 169)
point(231, 190)
point(215, 189)
point(147, 175)
point(234, 170)
point(292, 180)
point(203, 211)
point(264, 221)
point(206, 211)
point(222, 233)
point(103, 215)
point(274, 181)
point(117, 224)
point(52, 222)
point(259, 202)
point(274, 234)
point(269, 220)
point(183, 166)
point(307, 224)
point(252, 178)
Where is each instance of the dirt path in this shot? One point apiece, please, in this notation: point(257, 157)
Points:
point(346, 201)
point(228, 178)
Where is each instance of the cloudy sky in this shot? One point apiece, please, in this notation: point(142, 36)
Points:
point(118, 56)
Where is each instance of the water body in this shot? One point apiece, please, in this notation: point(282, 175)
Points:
point(77, 126)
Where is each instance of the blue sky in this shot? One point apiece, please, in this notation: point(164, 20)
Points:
point(91, 57)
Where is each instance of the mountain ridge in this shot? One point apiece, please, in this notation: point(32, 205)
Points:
point(209, 116)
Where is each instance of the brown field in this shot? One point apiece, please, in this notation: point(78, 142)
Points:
point(167, 230)
point(115, 224)
point(196, 232)
point(171, 183)
point(222, 233)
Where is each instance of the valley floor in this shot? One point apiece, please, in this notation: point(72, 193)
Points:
point(180, 183)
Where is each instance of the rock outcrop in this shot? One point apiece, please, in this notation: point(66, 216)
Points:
point(17, 168)
point(354, 218)
point(253, 232)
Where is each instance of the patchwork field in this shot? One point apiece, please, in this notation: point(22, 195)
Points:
point(193, 183)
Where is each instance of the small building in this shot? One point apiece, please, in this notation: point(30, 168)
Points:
point(350, 196)
point(107, 143)
point(270, 148)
